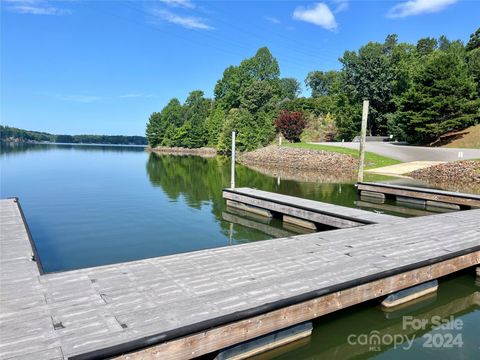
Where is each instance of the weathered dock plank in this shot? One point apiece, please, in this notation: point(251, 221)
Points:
point(438, 196)
point(190, 304)
point(315, 211)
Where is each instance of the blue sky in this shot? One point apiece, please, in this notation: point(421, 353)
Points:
point(101, 67)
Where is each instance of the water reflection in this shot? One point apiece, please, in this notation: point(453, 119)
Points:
point(201, 179)
point(365, 331)
point(18, 148)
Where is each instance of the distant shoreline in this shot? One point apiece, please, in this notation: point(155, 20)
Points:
point(66, 143)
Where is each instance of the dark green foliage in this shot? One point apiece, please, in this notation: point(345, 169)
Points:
point(416, 92)
point(443, 98)
point(321, 83)
point(246, 99)
point(426, 46)
point(14, 134)
point(474, 42)
point(289, 88)
point(370, 72)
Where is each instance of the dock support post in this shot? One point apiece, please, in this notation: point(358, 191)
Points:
point(412, 293)
point(249, 208)
point(266, 342)
point(363, 134)
point(299, 222)
point(372, 194)
point(232, 180)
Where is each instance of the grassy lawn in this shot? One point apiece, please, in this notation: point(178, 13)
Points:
point(372, 160)
point(471, 140)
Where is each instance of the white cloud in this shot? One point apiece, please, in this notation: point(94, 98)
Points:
point(320, 14)
point(34, 7)
point(179, 3)
point(189, 22)
point(417, 7)
point(341, 5)
point(272, 19)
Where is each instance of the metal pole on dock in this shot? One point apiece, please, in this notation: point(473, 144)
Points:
point(232, 181)
point(363, 134)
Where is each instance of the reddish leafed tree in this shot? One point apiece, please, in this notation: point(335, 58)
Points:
point(291, 124)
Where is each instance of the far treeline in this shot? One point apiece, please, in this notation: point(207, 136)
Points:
point(417, 92)
point(13, 134)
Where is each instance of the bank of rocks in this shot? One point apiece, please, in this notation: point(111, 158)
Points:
point(453, 175)
point(204, 151)
point(278, 158)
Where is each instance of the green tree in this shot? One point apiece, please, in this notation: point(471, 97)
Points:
point(474, 42)
point(155, 130)
point(263, 66)
point(321, 83)
point(195, 112)
point(442, 98)
point(214, 124)
point(378, 73)
point(473, 60)
point(289, 88)
point(229, 88)
point(250, 134)
point(426, 46)
point(256, 96)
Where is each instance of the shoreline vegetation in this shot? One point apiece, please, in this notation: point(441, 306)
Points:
point(418, 92)
point(15, 135)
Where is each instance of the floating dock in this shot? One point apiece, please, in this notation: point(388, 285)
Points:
point(334, 216)
point(186, 305)
point(421, 196)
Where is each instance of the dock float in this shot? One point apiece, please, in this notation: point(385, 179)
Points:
point(421, 196)
point(335, 216)
point(186, 305)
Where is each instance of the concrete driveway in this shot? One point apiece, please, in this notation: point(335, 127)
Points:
point(411, 153)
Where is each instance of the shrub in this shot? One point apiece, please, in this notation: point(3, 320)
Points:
point(291, 124)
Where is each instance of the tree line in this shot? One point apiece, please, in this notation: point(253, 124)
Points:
point(8, 133)
point(417, 92)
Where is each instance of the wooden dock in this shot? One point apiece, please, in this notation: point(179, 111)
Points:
point(322, 213)
point(186, 305)
point(423, 196)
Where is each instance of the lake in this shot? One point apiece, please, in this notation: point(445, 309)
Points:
point(95, 205)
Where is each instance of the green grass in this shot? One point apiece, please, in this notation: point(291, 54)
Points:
point(372, 160)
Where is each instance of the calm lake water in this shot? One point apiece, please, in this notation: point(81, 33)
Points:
point(95, 205)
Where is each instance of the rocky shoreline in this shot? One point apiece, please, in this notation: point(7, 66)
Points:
point(457, 176)
point(204, 151)
point(279, 159)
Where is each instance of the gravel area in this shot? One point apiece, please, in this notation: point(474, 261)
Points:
point(458, 175)
point(281, 158)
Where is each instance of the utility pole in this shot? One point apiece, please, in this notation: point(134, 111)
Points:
point(363, 134)
point(232, 180)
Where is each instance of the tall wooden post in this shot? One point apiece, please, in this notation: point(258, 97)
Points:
point(363, 134)
point(232, 180)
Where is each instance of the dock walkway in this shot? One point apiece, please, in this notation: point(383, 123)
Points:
point(319, 212)
point(433, 196)
point(189, 304)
